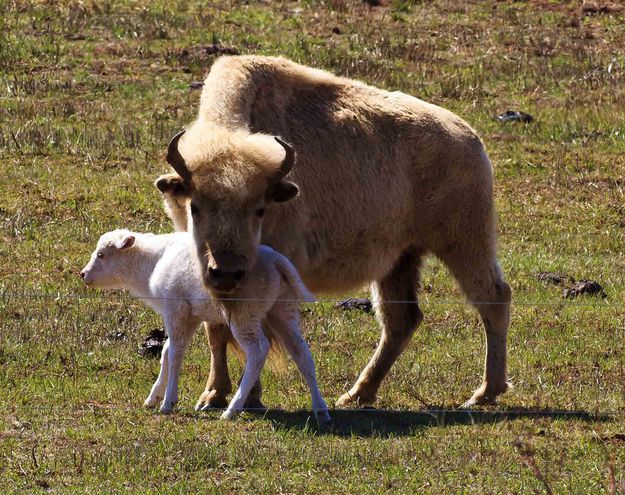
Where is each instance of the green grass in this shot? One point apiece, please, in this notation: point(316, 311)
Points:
point(90, 93)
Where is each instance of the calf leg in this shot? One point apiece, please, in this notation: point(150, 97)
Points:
point(285, 322)
point(179, 338)
point(158, 389)
point(219, 385)
point(398, 320)
point(256, 347)
point(480, 277)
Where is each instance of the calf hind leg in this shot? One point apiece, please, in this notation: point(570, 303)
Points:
point(481, 279)
point(219, 385)
point(399, 320)
point(285, 322)
point(256, 347)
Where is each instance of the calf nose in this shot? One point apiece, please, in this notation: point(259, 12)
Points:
point(82, 274)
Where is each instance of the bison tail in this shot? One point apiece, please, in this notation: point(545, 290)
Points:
point(277, 357)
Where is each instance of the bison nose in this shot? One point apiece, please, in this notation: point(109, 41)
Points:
point(224, 281)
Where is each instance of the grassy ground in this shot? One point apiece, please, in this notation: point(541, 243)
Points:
point(90, 92)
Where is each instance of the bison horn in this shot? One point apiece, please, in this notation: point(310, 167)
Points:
point(174, 158)
point(289, 159)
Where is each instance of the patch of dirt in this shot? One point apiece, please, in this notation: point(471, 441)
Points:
point(594, 8)
point(203, 52)
point(152, 346)
point(556, 278)
point(355, 303)
point(584, 287)
point(514, 116)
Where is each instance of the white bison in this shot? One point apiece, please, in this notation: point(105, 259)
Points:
point(161, 271)
point(383, 180)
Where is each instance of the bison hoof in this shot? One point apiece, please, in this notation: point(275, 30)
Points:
point(211, 399)
point(486, 395)
point(354, 399)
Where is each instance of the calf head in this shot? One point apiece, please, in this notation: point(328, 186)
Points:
point(106, 267)
point(228, 181)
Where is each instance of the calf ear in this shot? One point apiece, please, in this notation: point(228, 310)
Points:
point(172, 184)
point(126, 242)
point(282, 191)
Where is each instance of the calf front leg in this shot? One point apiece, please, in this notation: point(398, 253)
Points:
point(158, 389)
point(256, 347)
point(178, 342)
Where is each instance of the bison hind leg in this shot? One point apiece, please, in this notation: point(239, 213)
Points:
point(397, 310)
point(480, 278)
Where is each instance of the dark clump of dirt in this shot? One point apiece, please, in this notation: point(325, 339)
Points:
point(152, 346)
point(202, 52)
point(355, 303)
point(556, 278)
point(514, 116)
point(196, 84)
point(584, 287)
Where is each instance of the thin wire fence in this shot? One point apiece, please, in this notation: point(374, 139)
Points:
point(430, 300)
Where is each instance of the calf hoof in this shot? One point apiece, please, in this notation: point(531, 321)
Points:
point(485, 395)
point(228, 415)
point(211, 399)
point(355, 399)
point(167, 408)
point(323, 417)
point(151, 402)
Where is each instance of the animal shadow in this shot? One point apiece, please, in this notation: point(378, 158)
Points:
point(390, 423)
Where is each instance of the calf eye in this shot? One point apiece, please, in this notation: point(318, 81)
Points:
point(100, 255)
point(194, 209)
point(260, 212)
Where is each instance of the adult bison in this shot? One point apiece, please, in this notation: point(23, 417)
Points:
point(383, 179)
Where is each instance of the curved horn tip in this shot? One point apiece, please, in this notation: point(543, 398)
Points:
point(175, 159)
point(289, 158)
point(172, 149)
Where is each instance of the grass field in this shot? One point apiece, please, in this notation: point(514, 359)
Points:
point(90, 93)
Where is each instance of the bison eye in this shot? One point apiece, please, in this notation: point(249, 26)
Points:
point(194, 209)
point(260, 212)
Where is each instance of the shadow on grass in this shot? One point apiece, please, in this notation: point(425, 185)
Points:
point(385, 423)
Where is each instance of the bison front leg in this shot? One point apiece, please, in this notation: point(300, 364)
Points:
point(219, 385)
point(398, 321)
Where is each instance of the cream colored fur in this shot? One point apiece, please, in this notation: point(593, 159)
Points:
point(384, 179)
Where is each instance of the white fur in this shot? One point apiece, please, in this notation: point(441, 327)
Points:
point(161, 271)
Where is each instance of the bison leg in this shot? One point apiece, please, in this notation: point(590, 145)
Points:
point(480, 278)
point(399, 321)
point(219, 385)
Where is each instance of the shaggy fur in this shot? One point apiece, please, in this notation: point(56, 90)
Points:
point(161, 271)
point(384, 179)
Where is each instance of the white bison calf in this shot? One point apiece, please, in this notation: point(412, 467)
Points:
point(161, 271)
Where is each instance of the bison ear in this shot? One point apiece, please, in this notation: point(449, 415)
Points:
point(172, 184)
point(125, 243)
point(282, 191)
